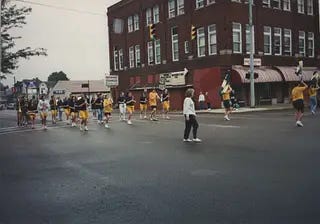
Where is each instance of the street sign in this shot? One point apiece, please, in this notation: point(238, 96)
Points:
point(112, 80)
point(256, 62)
point(173, 78)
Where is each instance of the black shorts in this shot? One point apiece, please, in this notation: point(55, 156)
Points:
point(226, 104)
point(153, 107)
point(298, 105)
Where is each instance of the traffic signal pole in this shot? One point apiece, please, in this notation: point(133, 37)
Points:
point(252, 94)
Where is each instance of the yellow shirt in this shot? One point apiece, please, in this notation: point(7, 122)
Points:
point(153, 99)
point(297, 93)
point(312, 91)
point(107, 104)
point(226, 95)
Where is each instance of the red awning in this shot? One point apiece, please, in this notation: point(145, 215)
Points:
point(264, 74)
point(290, 75)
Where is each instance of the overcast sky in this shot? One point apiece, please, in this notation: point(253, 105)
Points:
point(76, 42)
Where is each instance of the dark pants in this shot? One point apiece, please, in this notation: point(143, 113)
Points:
point(192, 122)
point(202, 105)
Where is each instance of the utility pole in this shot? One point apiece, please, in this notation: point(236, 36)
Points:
point(252, 94)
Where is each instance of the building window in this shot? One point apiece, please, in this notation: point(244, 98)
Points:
point(138, 79)
point(302, 44)
point(277, 47)
point(156, 14)
point(276, 4)
point(180, 6)
point(137, 54)
point(136, 22)
point(310, 7)
point(310, 45)
point(266, 3)
point(150, 79)
point(237, 38)
point(267, 40)
point(149, 16)
point(287, 42)
point(286, 5)
point(115, 60)
point(157, 51)
point(201, 42)
point(175, 44)
point(150, 53)
point(248, 39)
point(121, 59)
point(131, 57)
point(172, 8)
point(199, 4)
point(210, 2)
point(300, 6)
point(212, 39)
point(130, 24)
point(186, 47)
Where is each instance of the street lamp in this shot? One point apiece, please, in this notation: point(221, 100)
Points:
point(252, 95)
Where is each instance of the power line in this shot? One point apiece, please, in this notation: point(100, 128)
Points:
point(61, 8)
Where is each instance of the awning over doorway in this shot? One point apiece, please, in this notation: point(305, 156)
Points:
point(264, 74)
point(290, 75)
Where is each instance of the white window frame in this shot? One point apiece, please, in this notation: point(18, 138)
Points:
point(148, 16)
point(115, 60)
point(310, 7)
point(150, 52)
point(300, 4)
point(171, 8)
point(157, 51)
point(209, 2)
point(286, 5)
point(137, 55)
point(212, 32)
point(239, 31)
point(277, 33)
point(201, 38)
point(156, 14)
point(199, 4)
point(266, 3)
point(311, 38)
point(180, 7)
point(278, 4)
point(136, 22)
point(121, 59)
point(287, 33)
point(175, 44)
point(131, 57)
point(302, 36)
point(269, 34)
point(186, 47)
point(247, 42)
point(130, 24)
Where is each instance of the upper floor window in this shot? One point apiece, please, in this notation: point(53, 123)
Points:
point(286, 5)
point(248, 39)
point(137, 55)
point(310, 45)
point(115, 60)
point(287, 42)
point(130, 24)
point(277, 41)
point(131, 57)
point(150, 53)
point(121, 59)
point(172, 8)
point(276, 4)
point(156, 14)
point(201, 42)
point(267, 39)
point(175, 44)
point(199, 4)
point(300, 6)
point(212, 39)
point(302, 43)
point(266, 3)
point(310, 7)
point(180, 6)
point(237, 38)
point(157, 51)
point(136, 22)
point(149, 16)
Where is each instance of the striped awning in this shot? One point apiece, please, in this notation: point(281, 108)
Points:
point(264, 74)
point(290, 75)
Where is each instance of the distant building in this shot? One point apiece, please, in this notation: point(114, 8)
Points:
point(43, 88)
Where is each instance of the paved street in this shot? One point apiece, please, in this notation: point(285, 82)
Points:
point(257, 168)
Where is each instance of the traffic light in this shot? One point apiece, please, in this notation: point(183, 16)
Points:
point(152, 32)
point(255, 75)
point(193, 32)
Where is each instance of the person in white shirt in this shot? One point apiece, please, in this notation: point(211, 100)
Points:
point(201, 101)
point(43, 108)
point(190, 117)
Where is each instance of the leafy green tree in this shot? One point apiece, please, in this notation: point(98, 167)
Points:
point(57, 76)
point(13, 17)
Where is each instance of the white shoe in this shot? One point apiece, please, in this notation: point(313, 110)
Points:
point(299, 124)
point(106, 126)
point(187, 140)
point(197, 140)
point(226, 118)
point(86, 128)
point(145, 117)
point(140, 116)
point(81, 129)
point(129, 122)
point(168, 118)
point(45, 127)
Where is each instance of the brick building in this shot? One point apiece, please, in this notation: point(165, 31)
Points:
point(285, 31)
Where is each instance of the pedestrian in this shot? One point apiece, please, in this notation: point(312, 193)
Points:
point(297, 101)
point(201, 101)
point(53, 107)
point(32, 111)
point(60, 108)
point(82, 105)
point(189, 113)
point(313, 90)
point(24, 111)
point(67, 109)
point(143, 105)
point(99, 108)
point(73, 111)
point(122, 106)
point(19, 112)
point(153, 97)
point(227, 102)
point(93, 107)
point(208, 101)
point(43, 108)
point(130, 106)
point(165, 104)
point(107, 105)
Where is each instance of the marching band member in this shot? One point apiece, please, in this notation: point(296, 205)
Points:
point(226, 102)
point(143, 105)
point(130, 106)
point(297, 101)
point(82, 106)
point(166, 104)
point(122, 106)
point(107, 109)
point(32, 110)
point(72, 106)
point(153, 97)
point(43, 108)
point(53, 107)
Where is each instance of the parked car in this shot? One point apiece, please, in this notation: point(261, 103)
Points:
point(11, 106)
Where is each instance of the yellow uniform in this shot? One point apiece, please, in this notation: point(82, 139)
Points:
point(166, 105)
point(84, 114)
point(297, 93)
point(143, 107)
point(107, 106)
point(67, 111)
point(312, 92)
point(153, 99)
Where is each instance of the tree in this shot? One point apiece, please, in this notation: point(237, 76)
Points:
point(14, 17)
point(56, 76)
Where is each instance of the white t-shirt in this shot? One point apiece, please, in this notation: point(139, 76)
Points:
point(188, 107)
point(201, 98)
point(43, 106)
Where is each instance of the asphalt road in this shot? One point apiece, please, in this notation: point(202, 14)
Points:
point(257, 168)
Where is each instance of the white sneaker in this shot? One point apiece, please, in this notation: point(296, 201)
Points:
point(129, 122)
point(145, 117)
point(196, 140)
point(299, 124)
point(140, 116)
point(45, 127)
point(187, 140)
point(106, 126)
point(86, 128)
point(81, 129)
point(226, 118)
point(168, 118)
